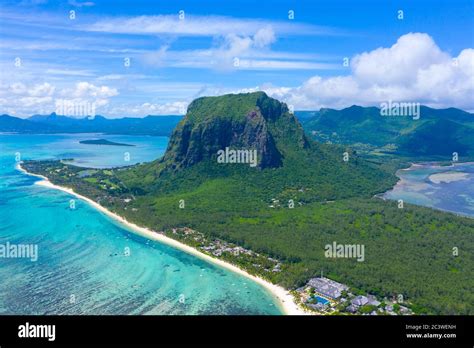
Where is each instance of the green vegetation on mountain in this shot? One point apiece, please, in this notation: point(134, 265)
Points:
point(295, 167)
point(407, 251)
point(435, 135)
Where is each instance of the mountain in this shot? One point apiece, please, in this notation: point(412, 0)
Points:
point(305, 115)
point(17, 125)
point(238, 121)
point(53, 123)
point(287, 161)
point(437, 132)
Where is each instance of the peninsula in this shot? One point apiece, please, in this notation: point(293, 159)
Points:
point(274, 219)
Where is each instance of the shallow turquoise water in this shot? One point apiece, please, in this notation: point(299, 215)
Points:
point(82, 266)
point(417, 188)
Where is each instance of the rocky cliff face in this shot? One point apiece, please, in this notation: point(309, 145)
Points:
point(240, 121)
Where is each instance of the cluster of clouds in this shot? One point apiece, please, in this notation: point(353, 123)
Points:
point(233, 48)
point(236, 42)
point(413, 69)
point(22, 99)
point(235, 51)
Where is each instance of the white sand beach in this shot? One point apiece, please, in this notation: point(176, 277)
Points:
point(286, 300)
point(448, 177)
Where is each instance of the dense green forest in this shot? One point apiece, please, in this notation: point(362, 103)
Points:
point(435, 135)
point(408, 251)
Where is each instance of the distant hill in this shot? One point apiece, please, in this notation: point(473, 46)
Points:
point(305, 115)
point(149, 125)
point(17, 125)
point(438, 132)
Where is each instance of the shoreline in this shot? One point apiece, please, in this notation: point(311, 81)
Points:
point(285, 299)
point(417, 165)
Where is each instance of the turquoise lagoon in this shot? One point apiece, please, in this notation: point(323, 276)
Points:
point(448, 188)
point(82, 267)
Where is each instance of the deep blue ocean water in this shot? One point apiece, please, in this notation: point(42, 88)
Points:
point(82, 267)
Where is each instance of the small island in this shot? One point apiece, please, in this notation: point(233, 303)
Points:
point(102, 142)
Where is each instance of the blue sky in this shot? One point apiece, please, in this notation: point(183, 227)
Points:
point(233, 46)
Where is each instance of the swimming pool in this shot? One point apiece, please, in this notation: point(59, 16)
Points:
point(321, 300)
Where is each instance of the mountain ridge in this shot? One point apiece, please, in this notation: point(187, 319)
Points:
point(406, 135)
point(53, 123)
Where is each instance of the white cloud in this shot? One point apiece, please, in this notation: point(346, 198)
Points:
point(413, 69)
point(232, 51)
point(234, 47)
point(247, 40)
point(156, 58)
point(19, 99)
point(81, 4)
point(400, 63)
point(88, 90)
point(268, 64)
point(43, 90)
point(264, 37)
point(118, 77)
point(193, 25)
point(69, 72)
point(22, 100)
point(173, 108)
point(19, 89)
point(144, 109)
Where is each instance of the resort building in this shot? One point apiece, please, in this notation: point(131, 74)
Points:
point(327, 287)
point(352, 309)
point(360, 301)
point(372, 300)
